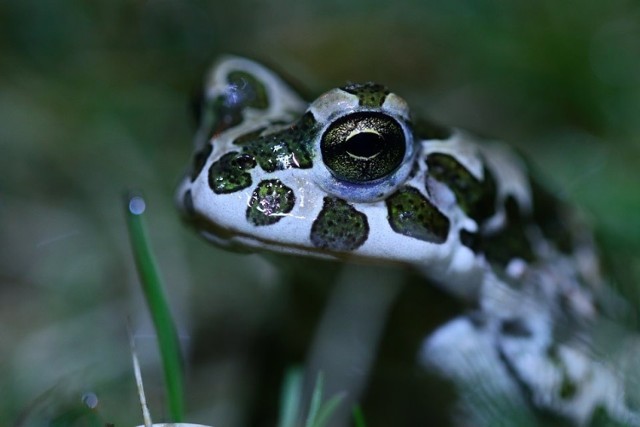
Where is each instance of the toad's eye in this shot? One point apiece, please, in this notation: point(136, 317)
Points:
point(363, 147)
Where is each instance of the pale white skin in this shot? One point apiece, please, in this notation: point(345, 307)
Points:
point(462, 349)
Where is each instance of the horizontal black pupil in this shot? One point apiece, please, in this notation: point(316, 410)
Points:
point(364, 144)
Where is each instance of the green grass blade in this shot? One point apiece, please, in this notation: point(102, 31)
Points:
point(290, 398)
point(316, 400)
point(358, 416)
point(158, 307)
point(327, 410)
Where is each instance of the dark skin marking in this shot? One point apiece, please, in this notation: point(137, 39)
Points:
point(187, 203)
point(247, 90)
point(568, 388)
point(476, 198)
point(369, 94)
point(515, 328)
point(218, 116)
point(270, 202)
point(411, 214)
point(288, 148)
point(199, 160)
point(339, 226)
point(552, 215)
point(510, 242)
point(471, 240)
point(248, 137)
point(226, 110)
point(229, 174)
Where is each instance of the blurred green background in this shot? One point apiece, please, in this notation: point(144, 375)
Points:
point(94, 100)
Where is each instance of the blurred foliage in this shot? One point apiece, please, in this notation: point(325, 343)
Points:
point(94, 100)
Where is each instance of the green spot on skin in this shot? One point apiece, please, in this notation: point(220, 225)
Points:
point(476, 198)
point(369, 94)
point(248, 89)
point(512, 241)
point(270, 202)
point(553, 217)
point(515, 327)
point(219, 115)
point(229, 173)
point(601, 417)
point(248, 137)
point(199, 160)
point(339, 226)
point(285, 149)
point(470, 240)
point(187, 204)
point(226, 110)
point(568, 388)
point(411, 214)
